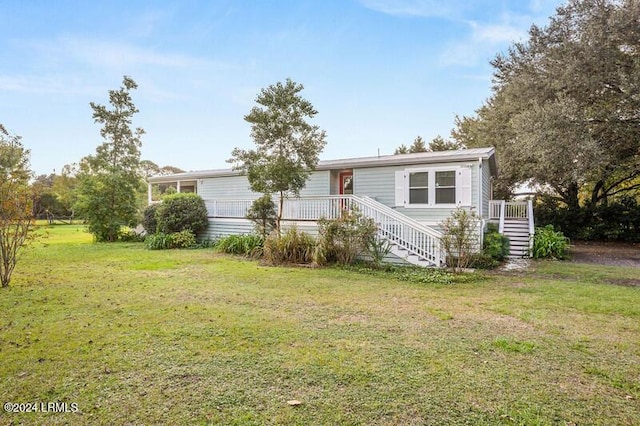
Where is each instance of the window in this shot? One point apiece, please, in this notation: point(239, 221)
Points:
point(446, 187)
point(419, 188)
point(433, 187)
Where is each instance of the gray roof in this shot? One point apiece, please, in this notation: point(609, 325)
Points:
point(472, 154)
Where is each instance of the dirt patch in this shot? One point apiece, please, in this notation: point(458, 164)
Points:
point(627, 282)
point(610, 254)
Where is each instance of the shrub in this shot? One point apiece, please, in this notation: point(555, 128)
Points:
point(618, 220)
point(294, 246)
point(495, 245)
point(130, 236)
point(183, 239)
point(483, 261)
point(263, 214)
point(249, 245)
point(180, 212)
point(342, 239)
point(159, 241)
point(150, 218)
point(459, 238)
point(378, 249)
point(547, 243)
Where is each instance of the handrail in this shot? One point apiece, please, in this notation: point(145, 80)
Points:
point(401, 230)
point(400, 216)
point(532, 228)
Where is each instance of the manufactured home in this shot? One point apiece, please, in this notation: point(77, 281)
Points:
point(408, 195)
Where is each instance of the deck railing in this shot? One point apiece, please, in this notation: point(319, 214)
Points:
point(395, 227)
point(228, 208)
point(509, 209)
point(501, 210)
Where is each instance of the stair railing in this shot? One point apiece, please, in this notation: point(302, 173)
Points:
point(532, 228)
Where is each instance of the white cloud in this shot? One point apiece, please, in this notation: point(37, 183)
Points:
point(419, 8)
point(496, 33)
point(501, 25)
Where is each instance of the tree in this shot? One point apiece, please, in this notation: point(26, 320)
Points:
point(109, 180)
point(565, 108)
point(263, 215)
point(149, 168)
point(16, 213)
point(402, 149)
point(440, 144)
point(418, 145)
point(287, 146)
point(52, 196)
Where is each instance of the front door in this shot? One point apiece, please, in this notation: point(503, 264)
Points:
point(346, 183)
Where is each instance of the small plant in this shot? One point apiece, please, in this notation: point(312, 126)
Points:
point(295, 247)
point(547, 243)
point(249, 245)
point(378, 249)
point(183, 239)
point(130, 236)
point(483, 261)
point(496, 245)
point(263, 214)
point(159, 241)
point(459, 239)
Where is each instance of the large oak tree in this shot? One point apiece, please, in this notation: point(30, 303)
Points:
point(565, 107)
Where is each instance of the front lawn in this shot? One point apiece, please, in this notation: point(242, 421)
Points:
point(182, 337)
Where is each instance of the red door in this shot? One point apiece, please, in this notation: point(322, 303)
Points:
point(346, 183)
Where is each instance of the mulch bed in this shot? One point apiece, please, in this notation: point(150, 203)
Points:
point(610, 254)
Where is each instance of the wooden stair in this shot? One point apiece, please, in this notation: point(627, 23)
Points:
point(517, 230)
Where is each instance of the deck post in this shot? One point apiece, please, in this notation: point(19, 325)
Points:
point(532, 228)
point(503, 206)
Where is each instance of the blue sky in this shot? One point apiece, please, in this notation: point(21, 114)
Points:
point(379, 72)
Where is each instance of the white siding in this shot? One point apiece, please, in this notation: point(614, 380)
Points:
point(486, 188)
point(237, 187)
point(226, 188)
point(318, 184)
point(379, 183)
point(220, 227)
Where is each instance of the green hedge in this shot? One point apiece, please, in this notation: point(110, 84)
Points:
point(182, 212)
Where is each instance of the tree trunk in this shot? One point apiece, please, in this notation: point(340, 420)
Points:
point(281, 204)
point(571, 197)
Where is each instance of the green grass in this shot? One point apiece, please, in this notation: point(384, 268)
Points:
point(194, 337)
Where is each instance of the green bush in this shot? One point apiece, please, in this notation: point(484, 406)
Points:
point(294, 247)
point(249, 245)
point(263, 214)
point(159, 241)
point(342, 239)
point(495, 245)
point(618, 220)
point(459, 238)
point(150, 218)
point(175, 240)
point(378, 249)
point(483, 261)
point(547, 243)
point(183, 239)
point(180, 212)
point(130, 235)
